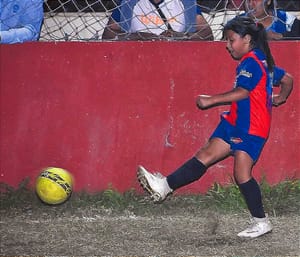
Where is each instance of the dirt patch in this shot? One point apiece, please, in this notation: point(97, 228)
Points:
point(170, 230)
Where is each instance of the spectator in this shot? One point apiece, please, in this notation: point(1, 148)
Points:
point(21, 20)
point(278, 23)
point(157, 19)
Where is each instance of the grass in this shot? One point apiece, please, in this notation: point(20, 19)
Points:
point(282, 198)
point(279, 199)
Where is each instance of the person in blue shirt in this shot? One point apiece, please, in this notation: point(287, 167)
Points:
point(157, 19)
point(279, 24)
point(21, 20)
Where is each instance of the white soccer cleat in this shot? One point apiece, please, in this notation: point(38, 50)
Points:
point(259, 227)
point(155, 184)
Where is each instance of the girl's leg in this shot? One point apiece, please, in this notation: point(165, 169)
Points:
point(192, 170)
point(250, 189)
point(215, 150)
point(159, 187)
point(243, 164)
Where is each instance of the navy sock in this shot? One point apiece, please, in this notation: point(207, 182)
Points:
point(189, 172)
point(252, 195)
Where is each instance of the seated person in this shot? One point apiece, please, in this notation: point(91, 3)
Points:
point(157, 19)
point(278, 23)
point(20, 21)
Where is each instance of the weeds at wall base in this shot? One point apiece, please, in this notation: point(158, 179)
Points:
point(279, 199)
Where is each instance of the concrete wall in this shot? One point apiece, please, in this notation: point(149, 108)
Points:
point(100, 109)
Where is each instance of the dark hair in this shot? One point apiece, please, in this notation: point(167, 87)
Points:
point(243, 26)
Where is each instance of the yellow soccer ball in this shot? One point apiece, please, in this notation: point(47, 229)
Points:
point(54, 185)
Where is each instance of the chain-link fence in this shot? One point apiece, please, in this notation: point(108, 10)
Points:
point(85, 20)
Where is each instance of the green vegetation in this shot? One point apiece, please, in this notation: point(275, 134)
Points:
point(279, 199)
point(226, 198)
point(282, 198)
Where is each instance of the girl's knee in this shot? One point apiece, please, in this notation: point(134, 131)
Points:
point(213, 152)
point(241, 178)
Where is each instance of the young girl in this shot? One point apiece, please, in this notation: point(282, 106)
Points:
point(242, 132)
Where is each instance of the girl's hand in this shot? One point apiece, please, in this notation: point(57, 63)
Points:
point(278, 100)
point(203, 101)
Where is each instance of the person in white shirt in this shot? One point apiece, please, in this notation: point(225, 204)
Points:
point(157, 19)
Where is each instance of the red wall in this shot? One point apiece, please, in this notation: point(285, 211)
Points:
point(100, 109)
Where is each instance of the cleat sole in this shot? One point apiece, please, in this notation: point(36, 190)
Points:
point(145, 185)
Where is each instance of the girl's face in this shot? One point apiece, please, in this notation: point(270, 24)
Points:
point(237, 46)
point(257, 8)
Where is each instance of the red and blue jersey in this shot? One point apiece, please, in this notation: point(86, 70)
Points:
point(253, 114)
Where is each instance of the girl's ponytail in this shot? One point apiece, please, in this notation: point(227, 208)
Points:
point(261, 42)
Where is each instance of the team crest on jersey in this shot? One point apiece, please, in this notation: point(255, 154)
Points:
point(245, 73)
point(236, 140)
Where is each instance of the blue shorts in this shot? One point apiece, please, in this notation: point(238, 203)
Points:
point(239, 140)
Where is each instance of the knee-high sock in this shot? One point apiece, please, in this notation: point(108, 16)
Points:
point(189, 172)
point(252, 195)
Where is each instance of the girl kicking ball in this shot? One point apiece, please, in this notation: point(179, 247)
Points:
point(242, 132)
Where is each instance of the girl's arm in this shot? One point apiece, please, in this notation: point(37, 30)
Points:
point(207, 101)
point(286, 87)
